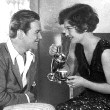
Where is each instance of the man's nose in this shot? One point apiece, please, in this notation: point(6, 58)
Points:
point(39, 36)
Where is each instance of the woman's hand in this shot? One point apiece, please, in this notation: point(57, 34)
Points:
point(76, 81)
point(53, 49)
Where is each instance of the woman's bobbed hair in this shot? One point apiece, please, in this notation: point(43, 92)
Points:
point(82, 16)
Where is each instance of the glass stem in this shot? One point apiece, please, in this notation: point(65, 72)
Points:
point(70, 92)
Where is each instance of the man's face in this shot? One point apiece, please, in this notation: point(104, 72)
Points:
point(33, 35)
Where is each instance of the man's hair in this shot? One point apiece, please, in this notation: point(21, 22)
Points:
point(21, 21)
point(82, 16)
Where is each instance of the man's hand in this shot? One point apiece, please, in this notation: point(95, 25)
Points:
point(31, 96)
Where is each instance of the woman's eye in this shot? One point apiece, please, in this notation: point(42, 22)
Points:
point(36, 32)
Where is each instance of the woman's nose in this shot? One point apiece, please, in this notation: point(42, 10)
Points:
point(66, 33)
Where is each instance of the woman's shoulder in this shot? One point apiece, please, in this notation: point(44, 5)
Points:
point(104, 43)
point(102, 46)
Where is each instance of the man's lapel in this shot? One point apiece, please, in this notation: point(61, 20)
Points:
point(30, 75)
point(17, 74)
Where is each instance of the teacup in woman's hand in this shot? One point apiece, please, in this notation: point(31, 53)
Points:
point(62, 75)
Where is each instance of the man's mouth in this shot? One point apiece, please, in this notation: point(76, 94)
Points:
point(36, 41)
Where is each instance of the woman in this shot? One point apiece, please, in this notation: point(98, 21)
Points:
point(93, 58)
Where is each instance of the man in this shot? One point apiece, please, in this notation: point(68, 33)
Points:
point(17, 61)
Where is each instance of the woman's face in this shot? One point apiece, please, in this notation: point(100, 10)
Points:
point(71, 31)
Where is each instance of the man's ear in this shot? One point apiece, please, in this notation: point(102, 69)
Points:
point(20, 34)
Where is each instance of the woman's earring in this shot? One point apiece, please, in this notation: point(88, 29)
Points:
point(85, 27)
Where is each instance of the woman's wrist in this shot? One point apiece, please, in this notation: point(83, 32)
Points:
point(85, 83)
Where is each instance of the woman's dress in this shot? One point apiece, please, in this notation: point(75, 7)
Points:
point(88, 99)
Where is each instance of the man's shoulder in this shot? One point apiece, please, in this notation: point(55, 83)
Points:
point(3, 46)
point(3, 49)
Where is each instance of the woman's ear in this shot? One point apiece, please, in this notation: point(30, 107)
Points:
point(85, 27)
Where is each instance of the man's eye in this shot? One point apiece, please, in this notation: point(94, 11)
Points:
point(37, 31)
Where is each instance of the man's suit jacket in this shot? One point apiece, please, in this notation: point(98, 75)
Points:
point(11, 88)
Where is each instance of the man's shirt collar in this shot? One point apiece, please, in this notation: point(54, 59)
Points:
point(13, 52)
